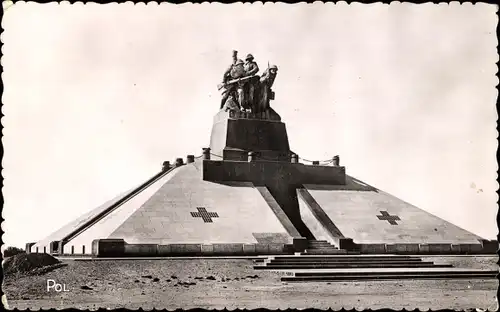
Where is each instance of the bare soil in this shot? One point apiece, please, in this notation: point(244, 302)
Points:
point(217, 283)
point(24, 263)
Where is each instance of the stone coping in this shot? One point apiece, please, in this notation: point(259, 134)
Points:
point(482, 247)
point(119, 248)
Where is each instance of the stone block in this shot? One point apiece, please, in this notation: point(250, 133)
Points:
point(471, 248)
point(288, 249)
point(276, 249)
point(372, 248)
point(300, 244)
point(207, 250)
point(256, 135)
point(489, 246)
point(455, 249)
point(423, 248)
point(186, 249)
point(262, 249)
point(247, 135)
point(228, 249)
point(464, 248)
point(140, 250)
point(412, 248)
point(392, 248)
point(475, 248)
point(249, 249)
point(439, 249)
point(163, 250)
point(403, 248)
point(260, 172)
point(108, 247)
point(347, 244)
point(321, 174)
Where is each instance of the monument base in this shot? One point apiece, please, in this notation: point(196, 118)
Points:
point(234, 134)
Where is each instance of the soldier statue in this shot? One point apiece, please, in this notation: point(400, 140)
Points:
point(251, 67)
point(234, 71)
point(250, 85)
point(243, 88)
point(265, 92)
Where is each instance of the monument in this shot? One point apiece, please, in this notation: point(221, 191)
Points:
point(248, 193)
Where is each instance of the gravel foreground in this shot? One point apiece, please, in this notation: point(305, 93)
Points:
point(224, 283)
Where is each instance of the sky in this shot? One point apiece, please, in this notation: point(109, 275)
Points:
point(97, 96)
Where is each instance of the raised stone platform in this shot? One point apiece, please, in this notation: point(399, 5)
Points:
point(249, 195)
point(262, 172)
point(235, 134)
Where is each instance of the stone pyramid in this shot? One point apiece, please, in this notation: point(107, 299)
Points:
point(249, 195)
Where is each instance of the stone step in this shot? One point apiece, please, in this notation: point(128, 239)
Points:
point(387, 271)
point(349, 266)
point(342, 257)
point(382, 273)
point(368, 260)
point(349, 262)
point(321, 246)
point(325, 251)
point(318, 243)
point(354, 276)
point(385, 277)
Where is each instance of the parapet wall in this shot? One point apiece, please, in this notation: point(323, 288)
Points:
point(119, 248)
point(261, 172)
point(482, 247)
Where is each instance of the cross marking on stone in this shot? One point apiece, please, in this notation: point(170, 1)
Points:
point(391, 219)
point(204, 214)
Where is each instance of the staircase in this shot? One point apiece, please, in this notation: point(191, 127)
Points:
point(322, 247)
point(317, 268)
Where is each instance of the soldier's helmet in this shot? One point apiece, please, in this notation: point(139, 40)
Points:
point(249, 57)
point(274, 67)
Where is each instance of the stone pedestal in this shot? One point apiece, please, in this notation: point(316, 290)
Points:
point(236, 134)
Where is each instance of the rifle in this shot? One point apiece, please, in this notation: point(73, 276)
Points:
point(230, 82)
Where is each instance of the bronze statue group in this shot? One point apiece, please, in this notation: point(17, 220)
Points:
point(244, 90)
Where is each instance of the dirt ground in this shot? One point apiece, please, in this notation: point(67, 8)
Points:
point(216, 283)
